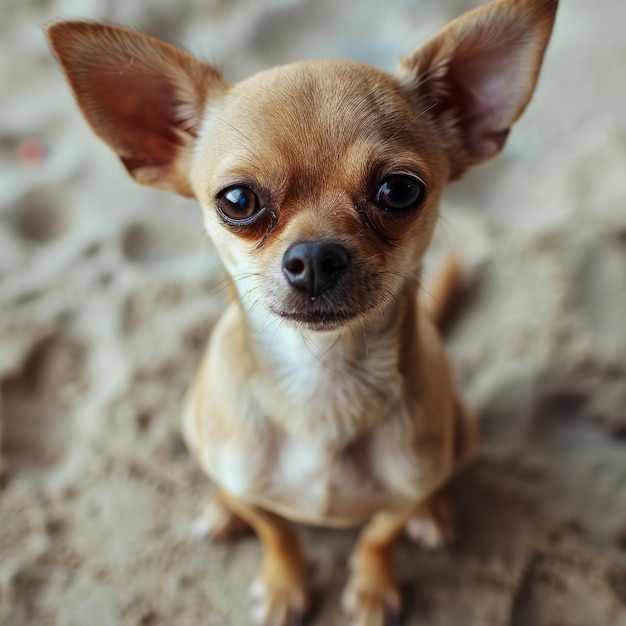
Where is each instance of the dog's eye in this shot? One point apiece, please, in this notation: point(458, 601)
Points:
point(399, 192)
point(238, 203)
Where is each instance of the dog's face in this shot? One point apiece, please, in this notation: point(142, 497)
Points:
point(320, 181)
point(319, 189)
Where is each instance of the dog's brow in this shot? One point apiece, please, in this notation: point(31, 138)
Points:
point(412, 120)
point(246, 145)
point(237, 130)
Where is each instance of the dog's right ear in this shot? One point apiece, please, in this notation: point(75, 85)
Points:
point(143, 97)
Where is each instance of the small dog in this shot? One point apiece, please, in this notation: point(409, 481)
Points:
point(324, 396)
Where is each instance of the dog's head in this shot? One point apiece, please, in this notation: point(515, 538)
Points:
point(319, 181)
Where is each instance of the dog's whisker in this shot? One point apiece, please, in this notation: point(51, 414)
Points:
point(245, 146)
point(267, 321)
point(446, 227)
point(227, 282)
point(281, 321)
point(410, 279)
point(313, 350)
point(365, 338)
point(254, 305)
point(246, 294)
point(413, 120)
point(332, 346)
point(250, 159)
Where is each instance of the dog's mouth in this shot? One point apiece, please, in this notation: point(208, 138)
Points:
point(319, 320)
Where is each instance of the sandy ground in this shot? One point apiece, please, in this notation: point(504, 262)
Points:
point(108, 291)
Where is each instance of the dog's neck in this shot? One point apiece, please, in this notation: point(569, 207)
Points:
point(336, 385)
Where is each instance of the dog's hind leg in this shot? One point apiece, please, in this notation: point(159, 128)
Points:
point(216, 522)
point(434, 524)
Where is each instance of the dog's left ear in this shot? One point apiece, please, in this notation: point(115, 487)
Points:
point(478, 74)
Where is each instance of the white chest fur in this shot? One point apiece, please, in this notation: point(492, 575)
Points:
point(309, 482)
point(330, 388)
point(311, 447)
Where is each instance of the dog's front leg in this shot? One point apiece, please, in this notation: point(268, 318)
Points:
point(279, 593)
point(372, 596)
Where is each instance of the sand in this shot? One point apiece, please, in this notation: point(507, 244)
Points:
point(108, 292)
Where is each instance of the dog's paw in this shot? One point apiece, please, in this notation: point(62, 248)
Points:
point(278, 602)
point(368, 606)
point(217, 523)
point(435, 525)
point(372, 596)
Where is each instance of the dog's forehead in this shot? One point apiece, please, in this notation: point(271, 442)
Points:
point(312, 118)
point(326, 96)
point(323, 104)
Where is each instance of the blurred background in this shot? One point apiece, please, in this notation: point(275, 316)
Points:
point(109, 290)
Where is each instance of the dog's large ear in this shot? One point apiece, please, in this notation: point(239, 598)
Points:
point(142, 96)
point(478, 74)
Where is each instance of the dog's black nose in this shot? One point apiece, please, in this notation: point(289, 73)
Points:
point(314, 266)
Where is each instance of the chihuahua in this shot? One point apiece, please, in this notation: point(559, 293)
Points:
point(324, 396)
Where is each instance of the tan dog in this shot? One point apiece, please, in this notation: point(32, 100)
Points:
point(324, 396)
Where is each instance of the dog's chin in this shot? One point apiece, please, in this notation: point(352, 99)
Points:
point(318, 321)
